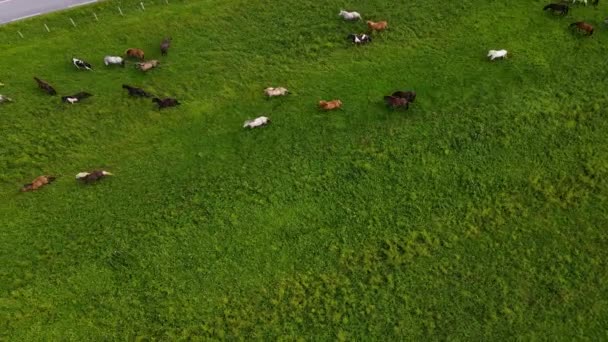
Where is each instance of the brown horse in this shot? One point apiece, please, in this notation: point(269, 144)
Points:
point(409, 95)
point(330, 105)
point(583, 26)
point(396, 102)
point(377, 26)
point(165, 45)
point(38, 183)
point(45, 86)
point(135, 53)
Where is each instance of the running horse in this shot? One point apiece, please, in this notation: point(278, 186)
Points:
point(583, 26)
point(557, 8)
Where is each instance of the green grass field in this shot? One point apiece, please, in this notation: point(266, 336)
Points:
point(479, 214)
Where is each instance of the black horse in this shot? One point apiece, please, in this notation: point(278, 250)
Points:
point(137, 92)
point(557, 8)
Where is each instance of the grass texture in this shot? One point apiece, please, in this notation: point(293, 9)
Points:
point(479, 214)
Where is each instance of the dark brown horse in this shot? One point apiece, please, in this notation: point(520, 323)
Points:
point(165, 45)
point(166, 102)
point(557, 8)
point(396, 102)
point(409, 95)
point(583, 26)
point(45, 86)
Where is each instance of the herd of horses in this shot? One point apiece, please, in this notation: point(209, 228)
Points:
point(398, 99)
point(96, 175)
point(143, 65)
point(562, 8)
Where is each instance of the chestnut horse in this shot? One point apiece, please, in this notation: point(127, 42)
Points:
point(38, 183)
point(330, 105)
point(135, 53)
point(583, 26)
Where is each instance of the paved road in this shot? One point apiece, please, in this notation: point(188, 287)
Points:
point(13, 10)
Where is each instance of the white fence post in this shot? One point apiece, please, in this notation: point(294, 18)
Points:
point(20, 34)
point(95, 15)
point(73, 23)
point(119, 10)
point(47, 28)
point(142, 6)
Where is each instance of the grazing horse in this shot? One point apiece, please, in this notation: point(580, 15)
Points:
point(137, 92)
point(116, 60)
point(557, 8)
point(166, 102)
point(147, 65)
point(4, 98)
point(280, 91)
point(583, 26)
point(257, 122)
point(76, 97)
point(396, 102)
point(164, 46)
point(45, 86)
point(349, 15)
point(93, 176)
point(135, 53)
point(493, 54)
point(37, 183)
point(80, 64)
point(330, 105)
point(379, 26)
point(410, 96)
point(359, 38)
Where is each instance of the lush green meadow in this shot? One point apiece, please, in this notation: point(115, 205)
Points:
point(479, 214)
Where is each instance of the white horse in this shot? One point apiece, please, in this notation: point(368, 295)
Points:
point(107, 60)
point(493, 54)
point(280, 91)
point(574, 1)
point(257, 122)
point(349, 15)
point(4, 98)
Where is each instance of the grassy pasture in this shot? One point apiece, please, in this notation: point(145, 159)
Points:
point(479, 214)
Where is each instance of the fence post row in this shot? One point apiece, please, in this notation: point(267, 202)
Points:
point(141, 4)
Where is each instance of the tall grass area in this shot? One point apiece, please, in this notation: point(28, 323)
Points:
point(479, 214)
